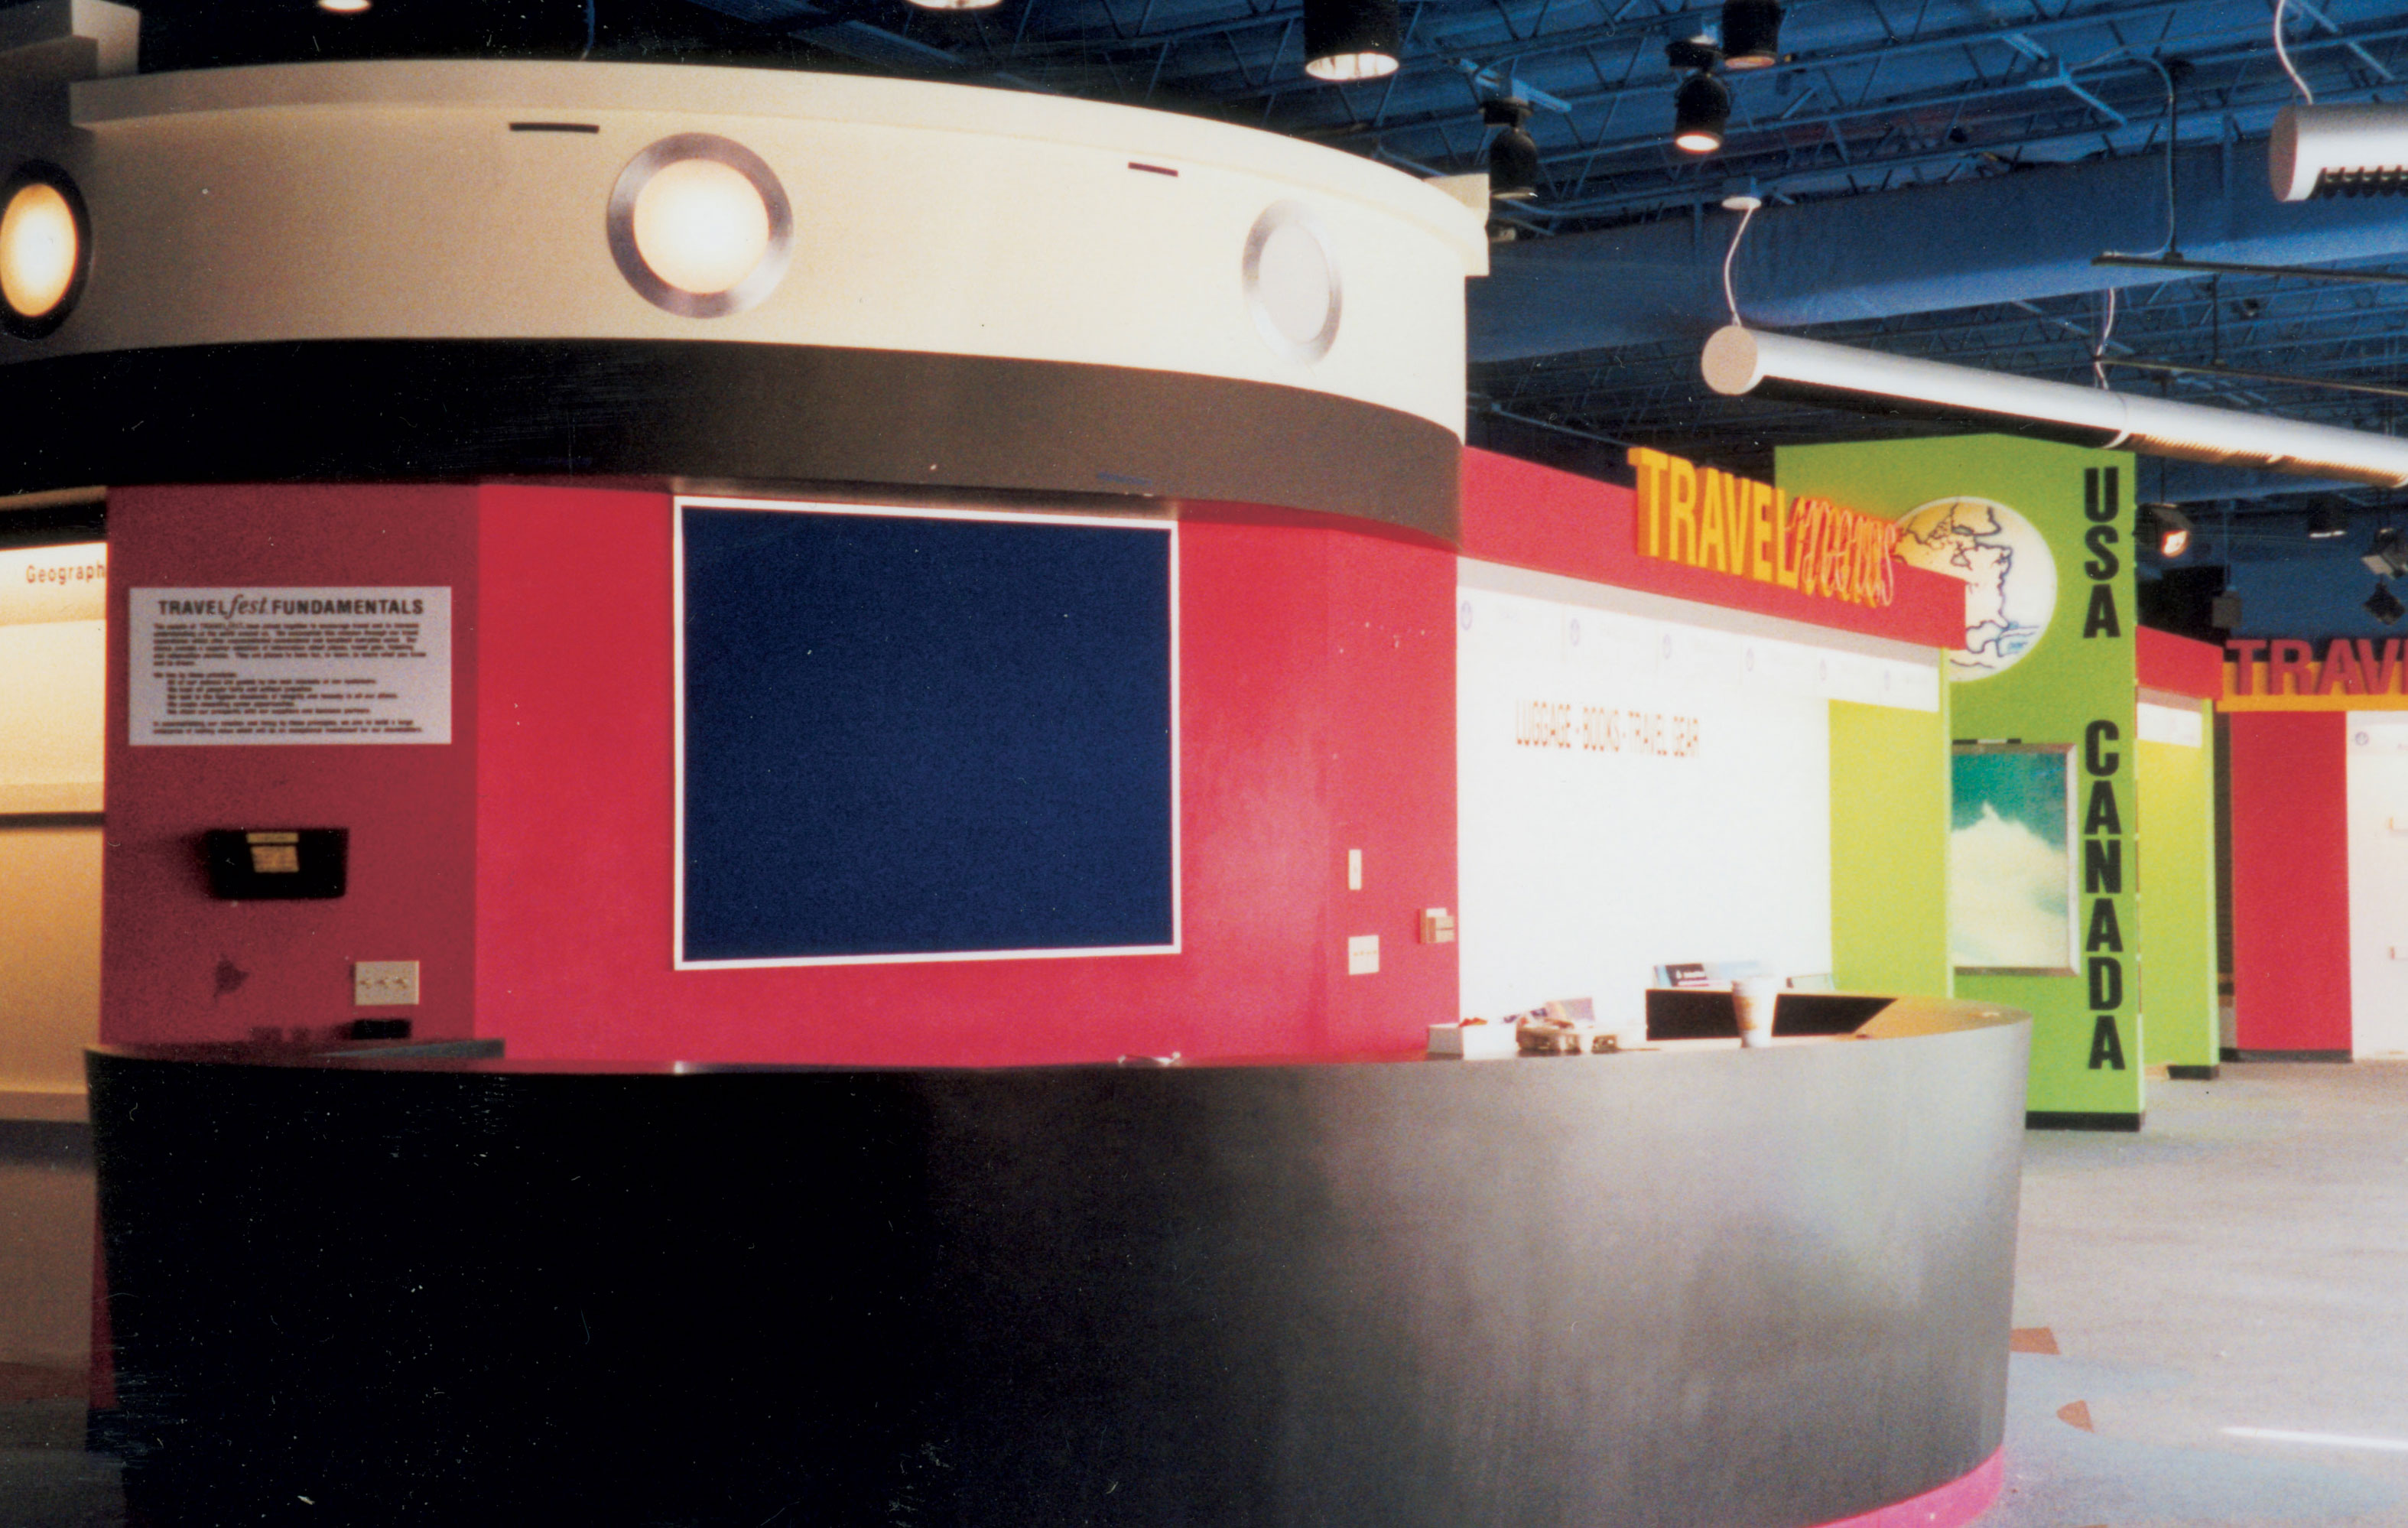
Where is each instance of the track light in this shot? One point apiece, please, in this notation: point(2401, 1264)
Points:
point(1514, 155)
point(2329, 521)
point(1351, 39)
point(1750, 362)
point(2384, 606)
point(1699, 109)
point(2339, 151)
point(1751, 33)
point(2168, 527)
point(2386, 556)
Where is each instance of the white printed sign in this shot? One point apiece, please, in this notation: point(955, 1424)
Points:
point(40, 585)
point(290, 666)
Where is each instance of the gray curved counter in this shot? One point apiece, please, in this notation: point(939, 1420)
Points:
point(1709, 1288)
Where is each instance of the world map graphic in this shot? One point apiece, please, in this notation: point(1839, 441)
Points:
point(2009, 578)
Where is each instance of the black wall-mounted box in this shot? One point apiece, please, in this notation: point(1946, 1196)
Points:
point(268, 864)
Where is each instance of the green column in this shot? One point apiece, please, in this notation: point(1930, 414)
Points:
point(2054, 675)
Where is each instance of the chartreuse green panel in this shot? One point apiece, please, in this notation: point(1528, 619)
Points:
point(2043, 905)
point(1889, 848)
point(2177, 837)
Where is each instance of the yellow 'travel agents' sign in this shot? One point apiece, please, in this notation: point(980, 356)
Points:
point(1707, 518)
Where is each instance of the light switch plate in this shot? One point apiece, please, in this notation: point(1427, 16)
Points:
point(377, 983)
point(1353, 869)
point(1362, 955)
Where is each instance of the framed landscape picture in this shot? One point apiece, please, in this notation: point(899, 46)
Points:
point(2010, 859)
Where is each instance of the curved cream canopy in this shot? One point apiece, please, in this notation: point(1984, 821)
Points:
point(466, 200)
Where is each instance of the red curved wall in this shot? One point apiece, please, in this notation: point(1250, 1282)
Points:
point(527, 864)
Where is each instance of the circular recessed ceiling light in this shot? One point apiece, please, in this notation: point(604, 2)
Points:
point(343, 7)
point(700, 225)
point(1292, 282)
point(45, 250)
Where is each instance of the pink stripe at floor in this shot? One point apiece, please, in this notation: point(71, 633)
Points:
point(1959, 1502)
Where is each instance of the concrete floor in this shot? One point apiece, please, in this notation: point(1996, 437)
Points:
point(2241, 1263)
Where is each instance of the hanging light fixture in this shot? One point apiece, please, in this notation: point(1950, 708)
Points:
point(1514, 154)
point(1741, 362)
point(2386, 556)
point(2168, 527)
point(1699, 112)
point(1351, 39)
point(2384, 606)
point(2357, 150)
point(1751, 33)
point(2329, 521)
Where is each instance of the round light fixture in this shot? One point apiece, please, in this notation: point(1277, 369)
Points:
point(1751, 33)
point(1699, 109)
point(1351, 39)
point(45, 250)
point(699, 225)
point(1292, 282)
point(1512, 154)
point(343, 7)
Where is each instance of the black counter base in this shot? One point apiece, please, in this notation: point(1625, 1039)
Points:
point(1685, 1290)
point(2076, 1120)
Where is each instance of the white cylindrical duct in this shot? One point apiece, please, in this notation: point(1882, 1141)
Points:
point(2339, 151)
point(1738, 361)
point(1741, 361)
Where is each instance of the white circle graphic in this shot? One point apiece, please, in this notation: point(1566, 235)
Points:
point(2004, 563)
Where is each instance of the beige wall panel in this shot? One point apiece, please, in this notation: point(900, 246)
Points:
point(393, 201)
point(53, 686)
point(50, 956)
point(46, 1241)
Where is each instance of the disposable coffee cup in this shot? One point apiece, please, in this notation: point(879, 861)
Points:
point(1752, 999)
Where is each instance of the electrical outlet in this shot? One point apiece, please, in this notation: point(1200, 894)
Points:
point(377, 984)
point(1362, 955)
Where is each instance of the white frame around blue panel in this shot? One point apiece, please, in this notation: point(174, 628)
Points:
point(679, 504)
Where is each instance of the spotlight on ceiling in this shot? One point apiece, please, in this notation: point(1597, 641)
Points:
point(1699, 109)
point(343, 7)
point(45, 250)
point(1743, 196)
point(2339, 151)
point(1777, 367)
point(2384, 606)
point(1514, 155)
point(1351, 39)
point(2329, 521)
point(1751, 33)
point(2168, 527)
point(2386, 556)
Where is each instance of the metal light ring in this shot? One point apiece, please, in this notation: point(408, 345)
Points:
point(620, 225)
point(1276, 217)
point(42, 172)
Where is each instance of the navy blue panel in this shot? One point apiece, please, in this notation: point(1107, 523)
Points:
point(912, 736)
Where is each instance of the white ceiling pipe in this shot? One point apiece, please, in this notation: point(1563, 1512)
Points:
point(2338, 151)
point(1738, 362)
